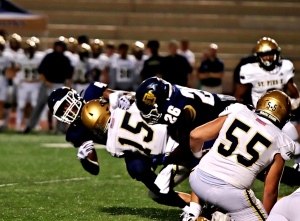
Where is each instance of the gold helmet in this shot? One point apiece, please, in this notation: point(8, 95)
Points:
point(267, 47)
point(29, 44)
point(95, 115)
point(84, 48)
point(15, 38)
point(275, 106)
point(138, 46)
point(97, 44)
point(35, 40)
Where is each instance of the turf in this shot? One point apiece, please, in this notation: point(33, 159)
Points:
point(49, 184)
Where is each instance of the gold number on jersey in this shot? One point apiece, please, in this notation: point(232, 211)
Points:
point(257, 138)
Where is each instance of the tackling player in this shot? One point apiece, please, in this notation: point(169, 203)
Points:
point(246, 143)
point(181, 108)
point(91, 122)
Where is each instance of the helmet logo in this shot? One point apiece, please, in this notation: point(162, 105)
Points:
point(271, 107)
point(149, 98)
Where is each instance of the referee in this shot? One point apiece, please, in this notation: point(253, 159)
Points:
point(55, 71)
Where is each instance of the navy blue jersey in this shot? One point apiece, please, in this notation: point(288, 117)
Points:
point(77, 133)
point(201, 105)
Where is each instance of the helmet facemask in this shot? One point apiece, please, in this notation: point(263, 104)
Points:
point(67, 109)
point(153, 116)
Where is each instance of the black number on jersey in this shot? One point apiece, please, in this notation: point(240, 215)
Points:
point(136, 130)
point(257, 138)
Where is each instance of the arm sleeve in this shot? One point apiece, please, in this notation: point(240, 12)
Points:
point(94, 91)
point(245, 76)
point(289, 71)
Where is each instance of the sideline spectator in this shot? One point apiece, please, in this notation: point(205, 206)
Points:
point(152, 66)
point(185, 52)
point(55, 71)
point(211, 71)
point(175, 68)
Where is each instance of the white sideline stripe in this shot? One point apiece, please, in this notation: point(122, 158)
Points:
point(8, 184)
point(63, 180)
point(49, 181)
point(67, 145)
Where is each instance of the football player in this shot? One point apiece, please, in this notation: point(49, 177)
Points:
point(28, 78)
point(181, 108)
point(99, 61)
point(91, 122)
point(139, 57)
point(82, 70)
point(268, 73)
point(285, 209)
point(121, 73)
point(6, 62)
point(247, 142)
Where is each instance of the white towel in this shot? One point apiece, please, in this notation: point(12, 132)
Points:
point(163, 179)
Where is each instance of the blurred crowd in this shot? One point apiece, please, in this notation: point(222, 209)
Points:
point(30, 72)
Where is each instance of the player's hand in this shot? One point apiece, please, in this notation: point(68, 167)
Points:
point(85, 149)
point(124, 102)
point(114, 99)
point(295, 102)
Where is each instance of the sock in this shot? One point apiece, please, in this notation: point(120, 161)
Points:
point(2, 122)
point(195, 209)
point(19, 118)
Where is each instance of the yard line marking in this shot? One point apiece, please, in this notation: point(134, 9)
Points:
point(8, 184)
point(63, 180)
point(67, 145)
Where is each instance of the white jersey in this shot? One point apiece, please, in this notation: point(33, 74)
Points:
point(245, 146)
point(124, 69)
point(128, 132)
point(6, 61)
point(263, 81)
point(29, 67)
point(14, 53)
point(81, 71)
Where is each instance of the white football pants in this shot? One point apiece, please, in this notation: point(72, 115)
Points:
point(240, 204)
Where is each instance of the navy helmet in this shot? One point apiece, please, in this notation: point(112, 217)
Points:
point(65, 104)
point(151, 97)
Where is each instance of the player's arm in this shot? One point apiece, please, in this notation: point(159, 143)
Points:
point(295, 96)
point(240, 91)
point(272, 183)
point(206, 132)
point(292, 87)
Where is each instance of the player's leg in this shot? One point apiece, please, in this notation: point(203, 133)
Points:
point(243, 203)
point(22, 94)
point(285, 208)
point(36, 112)
point(290, 130)
point(3, 91)
point(139, 168)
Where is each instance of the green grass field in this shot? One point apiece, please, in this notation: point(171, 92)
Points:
point(39, 183)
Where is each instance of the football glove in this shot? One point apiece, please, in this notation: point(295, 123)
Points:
point(85, 149)
point(124, 102)
point(218, 216)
